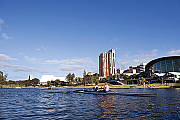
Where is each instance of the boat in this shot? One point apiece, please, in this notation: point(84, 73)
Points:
point(114, 93)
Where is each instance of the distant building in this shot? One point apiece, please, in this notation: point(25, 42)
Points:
point(141, 68)
point(103, 65)
point(90, 73)
point(163, 65)
point(130, 71)
point(107, 64)
point(45, 78)
point(135, 70)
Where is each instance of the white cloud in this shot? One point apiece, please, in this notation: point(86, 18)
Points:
point(38, 49)
point(72, 68)
point(174, 52)
point(114, 40)
point(146, 57)
point(42, 48)
point(82, 61)
point(4, 57)
point(18, 68)
point(70, 65)
point(65, 65)
point(123, 63)
point(5, 36)
point(52, 62)
point(30, 59)
point(134, 60)
point(1, 21)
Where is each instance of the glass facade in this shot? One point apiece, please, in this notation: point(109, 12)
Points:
point(164, 66)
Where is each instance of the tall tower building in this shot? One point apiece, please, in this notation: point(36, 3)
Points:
point(107, 64)
point(111, 62)
point(103, 65)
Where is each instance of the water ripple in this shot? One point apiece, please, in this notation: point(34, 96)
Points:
point(57, 104)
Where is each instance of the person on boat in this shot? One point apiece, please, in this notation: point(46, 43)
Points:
point(106, 87)
point(96, 87)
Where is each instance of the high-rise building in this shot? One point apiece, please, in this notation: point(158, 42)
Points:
point(103, 65)
point(107, 64)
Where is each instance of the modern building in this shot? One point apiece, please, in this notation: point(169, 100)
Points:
point(107, 64)
point(45, 78)
point(130, 71)
point(103, 67)
point(141, 68)
point(135, 70)
point(163, 65)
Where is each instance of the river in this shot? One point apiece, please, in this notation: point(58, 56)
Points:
point(35, 103)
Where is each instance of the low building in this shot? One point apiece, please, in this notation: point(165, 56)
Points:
point(135, 70)
point(45, 78)
point(173, 76)
point(90, 73)
point(130, 71)
point(141, 68)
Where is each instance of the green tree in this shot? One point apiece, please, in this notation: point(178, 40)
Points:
point(114, 77)
point(73, 77)
point(134, 76)
point(20, 83)
point(35, 81)
point(10, 82)
point(143, 81)
point(125, 77)
point(102, 80)
point(78, 80)
point(48, 83)
point(27, 83)
point(84, 78)
point(95, 78)
point(57, 82)
point(70, 78)
point(3, 78)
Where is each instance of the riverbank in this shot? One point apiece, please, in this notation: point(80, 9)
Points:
point(156, 85)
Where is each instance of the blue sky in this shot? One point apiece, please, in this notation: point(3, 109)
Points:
point(56, 37)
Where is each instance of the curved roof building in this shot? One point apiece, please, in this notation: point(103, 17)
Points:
point(164, 65)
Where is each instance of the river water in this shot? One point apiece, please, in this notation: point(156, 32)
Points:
point(37, 104)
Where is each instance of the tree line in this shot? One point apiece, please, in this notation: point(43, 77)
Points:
point(87, 79)
point(3, 81)
point(70, 77)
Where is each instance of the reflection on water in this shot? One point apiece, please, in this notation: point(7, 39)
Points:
point(44, 104)
point(107, 103)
